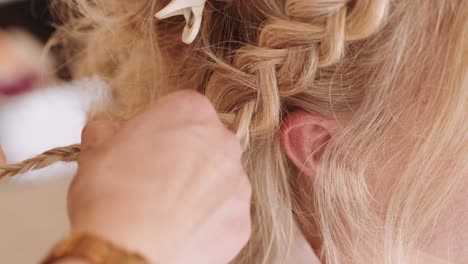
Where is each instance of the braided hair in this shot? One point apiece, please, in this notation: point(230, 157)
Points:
point(258, 61)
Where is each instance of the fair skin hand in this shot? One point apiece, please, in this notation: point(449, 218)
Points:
point(172, 189)
point(304, 129)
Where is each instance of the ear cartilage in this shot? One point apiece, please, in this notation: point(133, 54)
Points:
point(192, 10)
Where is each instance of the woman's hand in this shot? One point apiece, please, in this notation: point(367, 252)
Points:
point(169, 184)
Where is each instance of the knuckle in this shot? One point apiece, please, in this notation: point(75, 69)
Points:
point(242, 204)
point(244, 234)
point(246, 187)
point(187, 94)
point(94, 127)
point(245, 197)
point(232, 168)
point(88, 136)
point(195, 103)
point(242, 225)
point(88, 130)
point(232, 143)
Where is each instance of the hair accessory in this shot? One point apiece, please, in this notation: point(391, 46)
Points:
point(192, 10)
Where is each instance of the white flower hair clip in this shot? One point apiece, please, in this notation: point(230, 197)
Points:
point(192, 10)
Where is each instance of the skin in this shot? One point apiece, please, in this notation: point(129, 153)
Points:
point(302, 133)
point(168, 188)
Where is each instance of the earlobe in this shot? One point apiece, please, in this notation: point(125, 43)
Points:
point(304, 137)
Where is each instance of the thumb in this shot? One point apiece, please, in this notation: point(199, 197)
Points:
point(97, 132)
point(2, 157)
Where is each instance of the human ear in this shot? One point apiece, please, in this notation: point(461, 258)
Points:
point(304, 137)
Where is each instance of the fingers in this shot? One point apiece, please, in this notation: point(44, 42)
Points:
point(97, 132)
point(184, 106)
point(2, 157)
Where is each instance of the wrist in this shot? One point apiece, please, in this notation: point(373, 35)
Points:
point(71, 261)
point(85, 248)
point(121, 237)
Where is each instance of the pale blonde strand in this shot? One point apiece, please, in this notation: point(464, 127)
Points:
point(46, 159)
point(72, 152)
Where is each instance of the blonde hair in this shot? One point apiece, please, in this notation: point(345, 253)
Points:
point(378, 61)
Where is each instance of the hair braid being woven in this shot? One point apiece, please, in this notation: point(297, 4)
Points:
point(360, 63)
point(290, 48)
point(264, 78)
point(260, 79)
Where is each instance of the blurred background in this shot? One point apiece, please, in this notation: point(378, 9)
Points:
point(38, 111)
point(24, 28)
point(31, 16)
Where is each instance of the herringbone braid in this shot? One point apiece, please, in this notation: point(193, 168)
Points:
point(61, 154)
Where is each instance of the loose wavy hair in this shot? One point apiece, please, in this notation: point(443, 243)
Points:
point(387, 67)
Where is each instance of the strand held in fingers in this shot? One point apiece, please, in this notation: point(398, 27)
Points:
point(61, 154)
